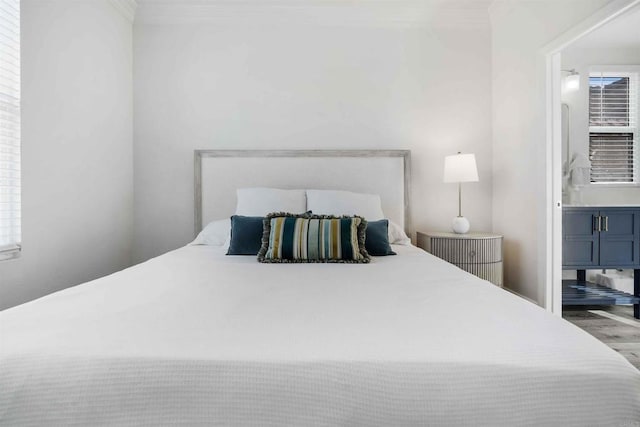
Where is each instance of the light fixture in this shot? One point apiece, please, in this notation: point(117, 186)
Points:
point(572, 81)
point(460, 168)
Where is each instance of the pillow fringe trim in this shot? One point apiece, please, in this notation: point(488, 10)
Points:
point(266, 231)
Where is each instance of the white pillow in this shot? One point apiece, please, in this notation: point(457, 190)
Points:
point(216, 233)
point(397, 236)
point(332, 202)
point(262, 201)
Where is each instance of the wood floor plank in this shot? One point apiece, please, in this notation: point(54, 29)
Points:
point(631, 322)
point(633, 346)
point(616, 327)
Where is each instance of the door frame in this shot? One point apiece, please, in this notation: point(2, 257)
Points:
point(553, 145)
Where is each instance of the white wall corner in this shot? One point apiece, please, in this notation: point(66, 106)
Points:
point(126, 7)
point(499, 10)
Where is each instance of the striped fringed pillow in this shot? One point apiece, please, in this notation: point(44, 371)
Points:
point(313, 238)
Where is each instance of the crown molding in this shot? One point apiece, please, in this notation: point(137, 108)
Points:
point(126, 7)
point(459, 14)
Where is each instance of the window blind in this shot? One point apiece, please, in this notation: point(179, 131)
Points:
point(609, 101)
point(612, 157)
point(10, 231)
point(613, 121)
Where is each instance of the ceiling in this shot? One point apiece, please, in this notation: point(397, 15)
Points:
point(623, 31)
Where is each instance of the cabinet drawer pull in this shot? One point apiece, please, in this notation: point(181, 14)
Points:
point(597, 223)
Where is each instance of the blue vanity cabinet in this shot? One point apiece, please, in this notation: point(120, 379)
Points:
point(595, 238)
point(580, 238)
point(600, 238)
point(620, 238)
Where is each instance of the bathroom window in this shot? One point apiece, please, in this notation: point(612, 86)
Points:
point(10, 230)
point(613, 127)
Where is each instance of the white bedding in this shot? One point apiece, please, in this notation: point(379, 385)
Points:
point(198, 338)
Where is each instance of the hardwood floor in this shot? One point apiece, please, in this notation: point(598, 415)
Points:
point(613, 325)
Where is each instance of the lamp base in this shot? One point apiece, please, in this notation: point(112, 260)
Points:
point(460, 225)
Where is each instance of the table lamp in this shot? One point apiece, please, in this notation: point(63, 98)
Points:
point(460, 168)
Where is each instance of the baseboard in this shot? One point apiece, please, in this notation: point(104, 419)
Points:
point(521, 296)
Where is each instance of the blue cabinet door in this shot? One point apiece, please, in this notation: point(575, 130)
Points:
point(619, 238)
point(580, 238)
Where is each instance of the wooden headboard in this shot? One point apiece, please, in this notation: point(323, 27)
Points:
point(218, 173)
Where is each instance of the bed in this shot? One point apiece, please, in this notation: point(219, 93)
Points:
point(195, 337)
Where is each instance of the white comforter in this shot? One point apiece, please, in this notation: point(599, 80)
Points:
point(198, 338)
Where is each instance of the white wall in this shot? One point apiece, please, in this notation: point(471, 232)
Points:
point(520, 30)
point(282, 85)
point(287, 85)
point(76, 145)
point(581, 59)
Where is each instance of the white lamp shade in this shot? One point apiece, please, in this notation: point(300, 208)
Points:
point(460, 168)
point(572, 82)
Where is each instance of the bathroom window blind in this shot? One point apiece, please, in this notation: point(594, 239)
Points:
point(10, 228)
point(612, 157)
point(613, 121)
